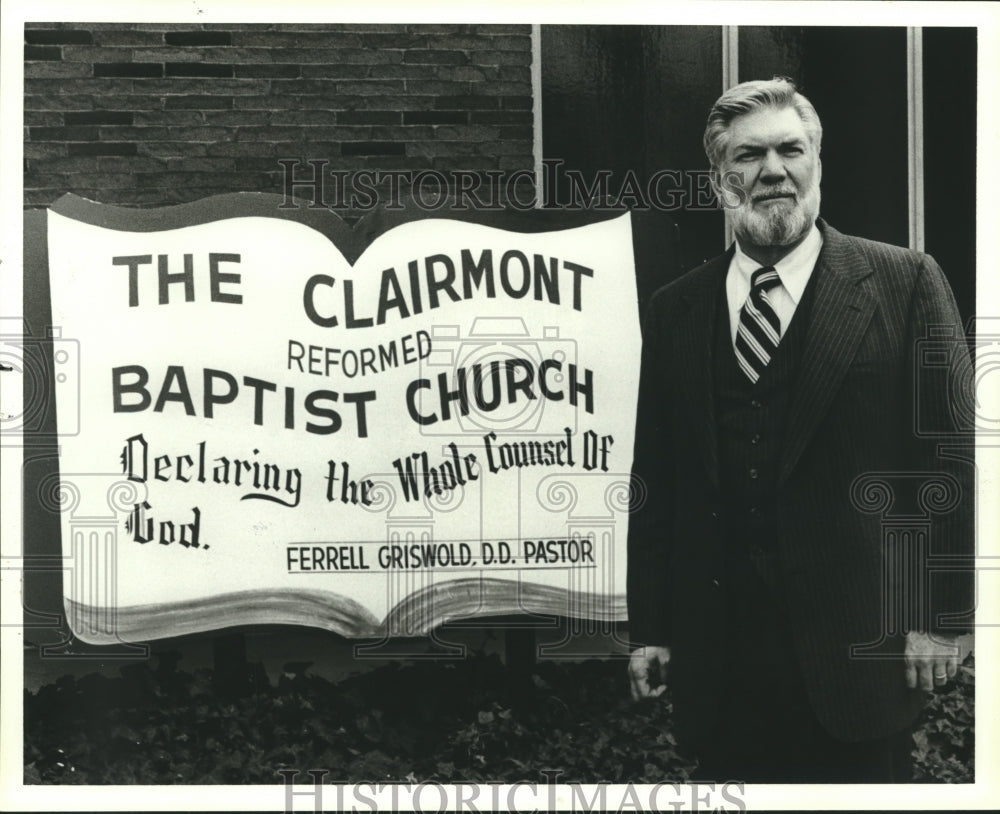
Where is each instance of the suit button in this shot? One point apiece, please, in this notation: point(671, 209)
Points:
point(753, 474)
point(754, 511)
point(755, 438)
point(716, 584)
point(756, 404)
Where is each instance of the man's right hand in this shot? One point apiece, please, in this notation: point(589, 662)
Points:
point(646, 664)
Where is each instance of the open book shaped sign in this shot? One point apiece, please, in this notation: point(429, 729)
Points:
point(265, 416)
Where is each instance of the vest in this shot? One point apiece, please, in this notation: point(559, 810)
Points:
point(750, 427)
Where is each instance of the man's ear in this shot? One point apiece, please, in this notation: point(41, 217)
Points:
point(716, 180)
point(728, 196)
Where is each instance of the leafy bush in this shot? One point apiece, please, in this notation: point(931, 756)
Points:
point(944, 742)
point(472, 720)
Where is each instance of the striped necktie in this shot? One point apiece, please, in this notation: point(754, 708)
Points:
point(759, 331)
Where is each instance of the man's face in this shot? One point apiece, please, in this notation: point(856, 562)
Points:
point(780, 170)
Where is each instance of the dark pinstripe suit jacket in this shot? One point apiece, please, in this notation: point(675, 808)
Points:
point(849, 442)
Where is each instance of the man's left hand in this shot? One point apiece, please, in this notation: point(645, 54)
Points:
point(930, 661)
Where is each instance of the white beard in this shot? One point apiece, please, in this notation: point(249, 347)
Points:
point(776, 225)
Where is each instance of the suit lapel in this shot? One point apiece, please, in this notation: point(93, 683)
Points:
point(840, 314)
point(696, 340)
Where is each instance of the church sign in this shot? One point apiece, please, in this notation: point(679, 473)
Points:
point(267, 418)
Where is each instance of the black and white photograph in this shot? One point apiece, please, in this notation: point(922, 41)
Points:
point(556, 407)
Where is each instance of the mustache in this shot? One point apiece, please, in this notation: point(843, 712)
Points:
point(776, 192)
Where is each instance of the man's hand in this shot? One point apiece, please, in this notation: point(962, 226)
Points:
point(930, 662)
point(644, 663)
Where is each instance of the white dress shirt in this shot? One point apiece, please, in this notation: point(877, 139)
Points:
point(794, 271)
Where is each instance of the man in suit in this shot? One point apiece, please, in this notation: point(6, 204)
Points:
point(785, 423)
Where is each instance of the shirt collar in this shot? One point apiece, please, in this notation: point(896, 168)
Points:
point(794, 269)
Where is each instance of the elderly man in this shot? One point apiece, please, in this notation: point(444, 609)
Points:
point(779, 394)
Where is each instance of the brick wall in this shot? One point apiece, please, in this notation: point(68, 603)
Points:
point(154, 114)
